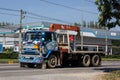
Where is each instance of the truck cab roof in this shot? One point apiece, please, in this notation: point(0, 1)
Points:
point(39, 31)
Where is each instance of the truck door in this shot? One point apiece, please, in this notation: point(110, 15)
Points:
point(50, 43)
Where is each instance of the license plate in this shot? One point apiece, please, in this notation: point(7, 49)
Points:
point(28, 47)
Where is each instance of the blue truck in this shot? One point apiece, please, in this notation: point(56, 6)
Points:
point(58, 46)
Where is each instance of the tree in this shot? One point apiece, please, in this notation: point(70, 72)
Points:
point(77, 24)
point(92, 24)
point(109, 12)
point(96, 25)
point(2, 24)
point(84, 24)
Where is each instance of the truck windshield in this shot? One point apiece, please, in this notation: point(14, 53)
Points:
point(33, 36)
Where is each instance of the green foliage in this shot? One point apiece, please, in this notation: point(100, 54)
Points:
point(7, 60)
point(77, 24)
point(116, 46)
point(9, 56)
point(110, 12)
point(116, 50)
point(2, 24)
point(84, 24)
point(9, 50)
point(112, 56)
point(116, 42)
point(90, 24)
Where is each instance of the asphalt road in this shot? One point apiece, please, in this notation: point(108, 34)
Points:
point(14, 72)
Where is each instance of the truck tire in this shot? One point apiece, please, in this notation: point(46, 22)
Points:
point(86, 60)
point(96, 60)
point(22, 64)
point(52, 61)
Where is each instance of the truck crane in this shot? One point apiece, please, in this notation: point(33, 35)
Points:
point(58, 46)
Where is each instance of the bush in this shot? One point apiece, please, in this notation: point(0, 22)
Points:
point(112, 56)
point(116, 51)
point(8, 55)
point(8, 50)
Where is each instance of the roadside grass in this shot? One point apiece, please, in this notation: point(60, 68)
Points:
point(8, 60)
point(114, 75)
point(110, 59)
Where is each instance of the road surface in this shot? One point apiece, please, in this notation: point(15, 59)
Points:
point(14, 72)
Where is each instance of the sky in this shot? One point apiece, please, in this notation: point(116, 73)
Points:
point(49, 10)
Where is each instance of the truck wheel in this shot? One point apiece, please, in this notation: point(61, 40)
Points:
point(52, 61)
point(86, 61)
point(96, 61)
point(30, 65)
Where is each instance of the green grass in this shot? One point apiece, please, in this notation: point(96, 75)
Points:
point(115, 75)
point(7, 60)
point(110, 59)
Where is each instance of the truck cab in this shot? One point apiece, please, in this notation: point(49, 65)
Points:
point(37, 46)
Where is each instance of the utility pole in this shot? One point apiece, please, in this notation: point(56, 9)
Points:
point(82, 27)
point(20, 31)
point(106, 41)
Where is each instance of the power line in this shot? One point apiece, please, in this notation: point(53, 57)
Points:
point(49, 18)
point(10, 9)
point(40, 19)
point(9, 14)
point(35, 18)
point(61, 5)
point(19, 15)
point(34, 14)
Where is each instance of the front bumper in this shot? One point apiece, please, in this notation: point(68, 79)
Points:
point(34, 60)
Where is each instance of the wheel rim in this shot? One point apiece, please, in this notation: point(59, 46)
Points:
point(52, 61)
